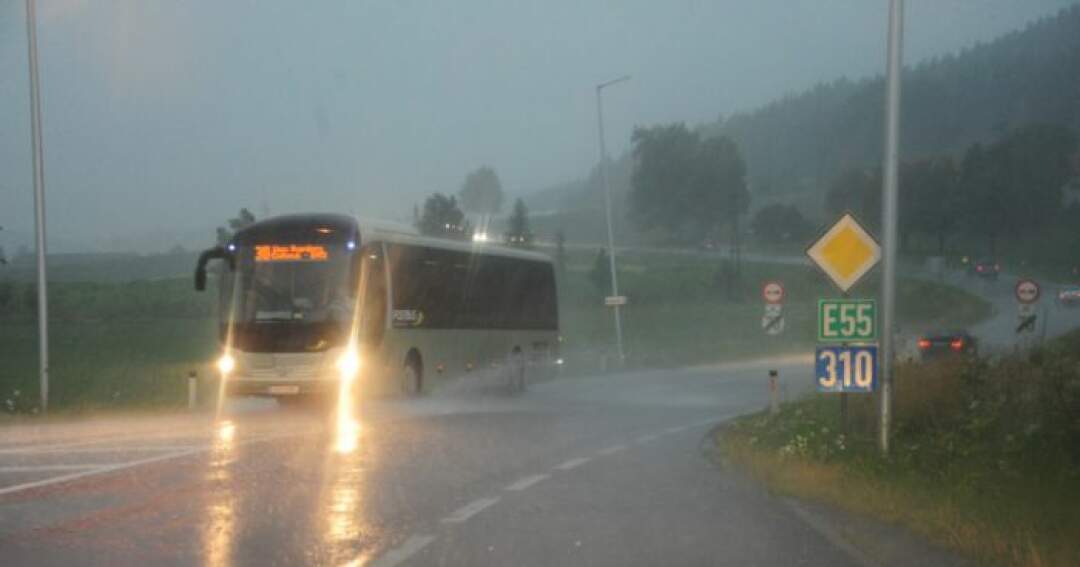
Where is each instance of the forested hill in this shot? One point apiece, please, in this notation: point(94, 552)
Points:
point(800, 142)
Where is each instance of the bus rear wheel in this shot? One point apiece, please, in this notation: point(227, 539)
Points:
point(412, 376)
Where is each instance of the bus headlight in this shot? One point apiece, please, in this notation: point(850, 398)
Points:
point(349, 364)
point(226, 363)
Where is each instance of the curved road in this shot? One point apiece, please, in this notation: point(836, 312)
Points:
point(599, 471)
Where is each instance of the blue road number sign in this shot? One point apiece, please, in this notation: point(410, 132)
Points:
point(847, 368)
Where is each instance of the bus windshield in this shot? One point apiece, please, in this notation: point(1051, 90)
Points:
point(298, 284)
point(292, 298)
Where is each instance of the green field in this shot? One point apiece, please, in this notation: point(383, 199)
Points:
point(132, 344)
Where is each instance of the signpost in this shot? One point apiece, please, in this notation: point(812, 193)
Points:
point(846, 252)
point(847, 368)
point(615, 300)
point(772, 322)
point(1027, 295)
point(847, 320)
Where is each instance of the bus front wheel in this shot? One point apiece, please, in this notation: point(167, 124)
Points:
point(412, 376)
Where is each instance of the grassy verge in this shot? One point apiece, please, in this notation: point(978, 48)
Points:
point(986, 455)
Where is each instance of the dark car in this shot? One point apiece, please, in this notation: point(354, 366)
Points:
point(946, 344)
point(985, 269)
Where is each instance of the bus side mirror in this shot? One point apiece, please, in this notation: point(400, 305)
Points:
point(215, 253)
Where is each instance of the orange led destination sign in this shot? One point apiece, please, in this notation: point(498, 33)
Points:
point(290, 253)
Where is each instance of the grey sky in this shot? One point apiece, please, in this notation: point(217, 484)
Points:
point(163, 117)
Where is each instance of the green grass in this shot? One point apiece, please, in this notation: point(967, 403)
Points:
point(986, 455)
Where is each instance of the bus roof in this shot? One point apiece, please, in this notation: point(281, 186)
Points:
point(460, 246)
point(374, 231)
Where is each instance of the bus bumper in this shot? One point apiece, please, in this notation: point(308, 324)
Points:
point(244, 386)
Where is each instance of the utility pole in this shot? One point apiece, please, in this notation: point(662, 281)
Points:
point(39, 201)
point(607, 207)
point(890, 212)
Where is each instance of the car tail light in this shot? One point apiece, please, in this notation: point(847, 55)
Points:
point(924, 343)
point(978, 268)
point(957, 344)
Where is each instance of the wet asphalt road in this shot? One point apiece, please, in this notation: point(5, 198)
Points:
point(596, 471)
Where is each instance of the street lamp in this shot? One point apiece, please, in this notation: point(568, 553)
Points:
point(39, 200)
point(607, 207)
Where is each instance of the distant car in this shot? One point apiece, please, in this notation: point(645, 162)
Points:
point(946, 344)
point(985, 269)
point(1069, 295)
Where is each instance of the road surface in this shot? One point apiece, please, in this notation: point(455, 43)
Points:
point(599, 471)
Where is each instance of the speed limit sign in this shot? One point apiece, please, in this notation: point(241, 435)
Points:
point(773, 292)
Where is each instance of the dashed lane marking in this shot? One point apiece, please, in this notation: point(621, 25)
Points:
point(399, 554)
point(572, 463)
point(469, 510)
point(526, 482)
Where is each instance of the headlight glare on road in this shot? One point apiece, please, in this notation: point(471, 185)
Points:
point(226, 363)
point(349, 363)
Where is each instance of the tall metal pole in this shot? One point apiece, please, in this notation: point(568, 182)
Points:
point(889, 212)
point(607, 207)
point(39, 201)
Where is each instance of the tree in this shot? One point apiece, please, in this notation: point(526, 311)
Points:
point(600, 275)
point(481, 193)
point(685, 185)
point(780, 223)
point(1016, 184)
point(518, 233)
point(930, 201)
point(858, 191)
point(242, 220)
point(441, 217)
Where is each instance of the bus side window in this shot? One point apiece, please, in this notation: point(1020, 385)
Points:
point(374, 307)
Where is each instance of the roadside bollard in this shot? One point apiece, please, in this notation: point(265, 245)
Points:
point(192, 389)
point(774, 403)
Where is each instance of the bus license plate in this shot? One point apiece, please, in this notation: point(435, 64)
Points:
point(285, 389)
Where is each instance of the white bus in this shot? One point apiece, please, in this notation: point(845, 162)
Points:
point(306, 299)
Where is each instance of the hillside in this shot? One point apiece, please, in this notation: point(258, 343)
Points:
point(796, 144)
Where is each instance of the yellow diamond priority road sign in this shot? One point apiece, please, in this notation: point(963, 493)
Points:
point(846, 252)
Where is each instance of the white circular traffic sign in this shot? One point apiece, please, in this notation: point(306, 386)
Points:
point(1027, 291)
point(773, 292)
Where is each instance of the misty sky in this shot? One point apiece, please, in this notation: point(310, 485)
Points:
point(163, 117)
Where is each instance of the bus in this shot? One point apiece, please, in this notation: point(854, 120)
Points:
point(308, 300)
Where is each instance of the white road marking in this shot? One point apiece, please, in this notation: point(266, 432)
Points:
point(679, 429)
point(128, 464)
point(399, 554)
point(830, 535)
point(44, 468)
point(108, 449)
point(572, 463)
point(645, 438)
point(469, 510)
point(611, 450)
point(523, 483)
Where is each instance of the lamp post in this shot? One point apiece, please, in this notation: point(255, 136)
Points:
point(607, 206)
point(39, 201)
